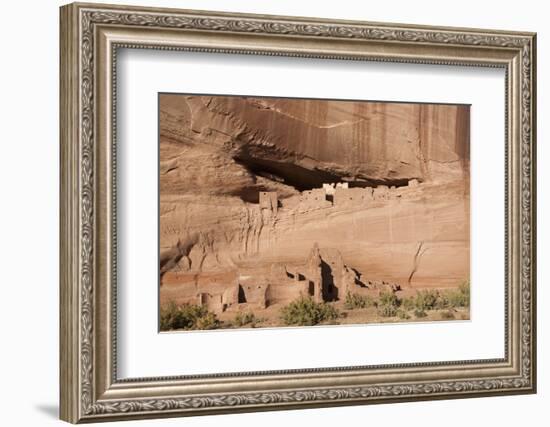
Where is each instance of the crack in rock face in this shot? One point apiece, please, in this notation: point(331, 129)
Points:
point(248, 186)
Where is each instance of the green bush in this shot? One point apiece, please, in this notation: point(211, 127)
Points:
point(306, 312)
point(460, 297)
point(169, 316)
point(186, 316)
point(387, 311)
point(442, 301)
point(436, 300)
point(408, 303)
point(426, 299)
point(243, 319)
point(388, 299)
point(207, 321)
point(388, 303)
point(355, 301)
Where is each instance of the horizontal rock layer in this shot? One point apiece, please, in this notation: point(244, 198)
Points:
point(217, 153)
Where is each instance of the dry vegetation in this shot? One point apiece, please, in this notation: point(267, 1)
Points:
point(387, 306)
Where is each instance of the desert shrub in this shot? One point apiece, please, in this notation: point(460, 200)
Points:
point(408, 303)
point(207, 321)
point(419, 313)
point(186, 316)
point(464, 287)
point(388, 299)
point(243, 319)
point(355, 301)
point(306, 312)
point(447, 315)
point(402, 314)
point(387, 311)
point(442, 302)
point(460, 297)
point(426, 299)
point(388, 303)
point(169, 316)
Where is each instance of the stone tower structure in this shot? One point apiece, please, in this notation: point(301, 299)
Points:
point(269, 201)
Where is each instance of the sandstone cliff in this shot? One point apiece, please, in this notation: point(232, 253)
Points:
point(218, 153)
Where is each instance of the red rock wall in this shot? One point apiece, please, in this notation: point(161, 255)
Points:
point(369, 140)
point(209, 146)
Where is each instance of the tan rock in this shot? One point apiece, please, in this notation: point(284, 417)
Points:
point(258, 196)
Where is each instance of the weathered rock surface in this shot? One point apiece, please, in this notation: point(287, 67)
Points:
point(308, 142)
point(218, 153)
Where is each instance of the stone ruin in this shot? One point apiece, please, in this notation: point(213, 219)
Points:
point(332, 195)
point(323, 276)
point(268, 202)
point(330, 188)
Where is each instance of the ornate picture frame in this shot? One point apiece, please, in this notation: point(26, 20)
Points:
point(91, 34)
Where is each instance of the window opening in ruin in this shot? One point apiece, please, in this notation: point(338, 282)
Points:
point(241, 297)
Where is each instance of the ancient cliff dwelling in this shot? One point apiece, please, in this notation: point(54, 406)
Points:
point(264, 201)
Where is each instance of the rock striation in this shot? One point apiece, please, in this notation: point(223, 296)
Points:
point(248, 185)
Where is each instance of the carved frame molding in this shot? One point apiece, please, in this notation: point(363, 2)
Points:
point(90, 36)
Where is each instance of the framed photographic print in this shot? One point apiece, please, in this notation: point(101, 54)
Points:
point(300, 212)
point(265, 212)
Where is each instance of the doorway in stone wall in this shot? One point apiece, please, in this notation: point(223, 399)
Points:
point(330, 291)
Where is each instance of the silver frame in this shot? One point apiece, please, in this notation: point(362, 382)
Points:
point(90, 37)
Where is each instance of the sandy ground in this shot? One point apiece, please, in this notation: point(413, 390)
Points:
point(271, 316)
